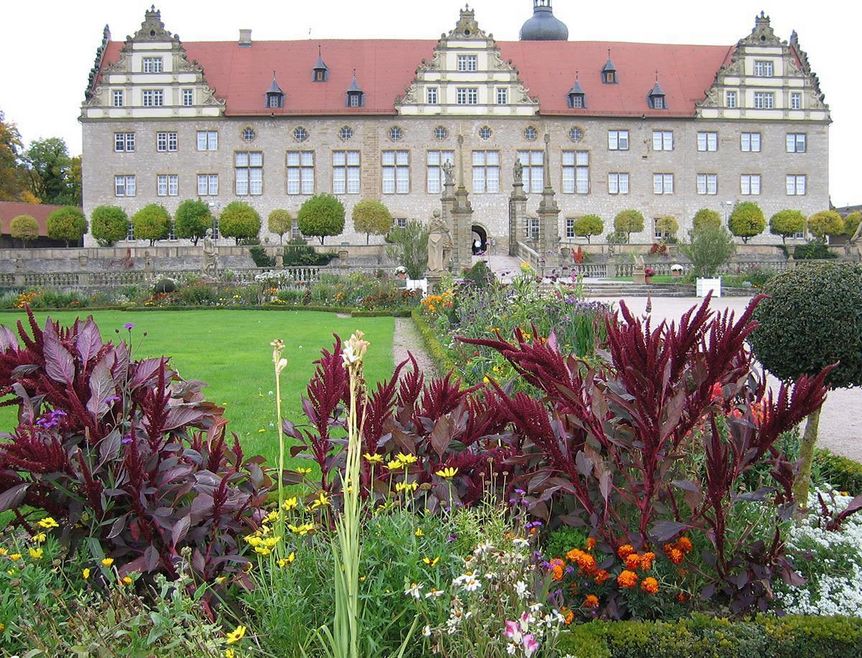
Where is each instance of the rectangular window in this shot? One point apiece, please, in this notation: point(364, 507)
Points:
point(207, 140)
point(707, 141)
point(401, 222)
point(657, 102)
point(207, 184)
point(795, 185)
point(730, 99)
point(345, 172)
point(486, 172)
point(300, 172)
point(166, 142)
point(188, 97)
point(796, 142)
point(124, 142)
point(795, 100)
point(570, 228)
point(167, 185)
point(502, 95)
point(707, 183)
point(118, 98)
point(750, 142)
point(467, 96)
point(434, 172)
point(534, 173)
point(576, 172)
point(124, 186)
point(662, 183)
point(248, 168)
point(763, 68)
point(154, 98)
point(396, 172)
point(468, 62)
point(577, 100)
point(618, 183)
point(662, 140)
point(431, 95)
point(749, 184)
point(764, 100)
point(657, 232)
point(618, 140)
point(152, 64)
point(532, 228)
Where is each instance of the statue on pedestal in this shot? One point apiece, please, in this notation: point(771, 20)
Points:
point(449, 172)
point(519, 173)
point(439, 244)
point(210, 265)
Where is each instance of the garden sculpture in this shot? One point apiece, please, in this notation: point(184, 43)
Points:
point(210, 254)
point(439, 243)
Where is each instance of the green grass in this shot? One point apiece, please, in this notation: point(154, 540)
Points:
point(230, 351)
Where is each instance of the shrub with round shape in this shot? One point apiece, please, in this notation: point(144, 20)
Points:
point(371, 216)
point(67, 224)
point(810, 320)
point(320, 216)
point(746, 221)
point(588, 226)
point(239, 221)
point(152, 222)
point(825, 223)
point(280, 221)
point(24, 228)
point(628, 222)
point(706, 217)
point(786, 223)
point(109, 225)
point(193, 218)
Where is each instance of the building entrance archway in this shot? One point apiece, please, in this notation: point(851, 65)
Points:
point(479, 244)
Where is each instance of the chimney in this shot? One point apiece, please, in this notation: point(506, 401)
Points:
point(245, 38)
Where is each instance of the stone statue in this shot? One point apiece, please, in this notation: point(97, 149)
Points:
point(210, 255)
point(519, 172)
point(449, 173)
point(439, 244)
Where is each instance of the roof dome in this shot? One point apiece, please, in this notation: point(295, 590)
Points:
point(544, 26)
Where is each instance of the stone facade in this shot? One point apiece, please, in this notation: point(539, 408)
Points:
point(712, 157)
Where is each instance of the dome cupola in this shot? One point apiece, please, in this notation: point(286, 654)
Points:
point(544, 26)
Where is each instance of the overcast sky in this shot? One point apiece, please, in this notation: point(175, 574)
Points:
point(48, 46)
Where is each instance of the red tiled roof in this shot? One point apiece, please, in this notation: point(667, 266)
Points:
point(386, 67)
point(11, 209)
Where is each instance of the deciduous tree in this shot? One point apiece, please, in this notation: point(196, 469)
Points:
point(109, 225)
point(825, 223)
point(371, 216)
point(280, 221)
point(320, 216)
point(706, 217)
point(588, 226)
point(24, 228)
point(192, 219)
point(240, 221)
point(786, 223)
point(746, 220)
point(628, 222)
point(68, 224)
point(152, 222)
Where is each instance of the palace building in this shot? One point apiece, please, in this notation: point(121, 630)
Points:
point(597, 127)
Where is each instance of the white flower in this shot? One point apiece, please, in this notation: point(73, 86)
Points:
point(434, 593)
point(348, 358)
point(521, 589)
point(511, 648)
point(468, 581)
point(518, 542)
point(484, 547)
point(415, 590)
point(426, 632)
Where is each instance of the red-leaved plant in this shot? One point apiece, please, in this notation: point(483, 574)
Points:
point(122, 453)
point(603, 447)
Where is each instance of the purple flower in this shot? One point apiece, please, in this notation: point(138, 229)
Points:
point(451, 538)
point(127, 439)
point(129, 326)
point(51, 419)
point(533, 524)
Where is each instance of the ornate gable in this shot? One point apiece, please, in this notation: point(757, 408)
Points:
point(467, 75)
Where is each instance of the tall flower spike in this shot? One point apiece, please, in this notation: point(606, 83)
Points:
point(354, 350)
point(277, 360)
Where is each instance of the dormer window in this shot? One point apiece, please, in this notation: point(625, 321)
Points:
point(152, 65)
point(577, 97)
point(355, 95)
point(609, 71)
point(468, 62)
point(274, 95)
point(763, 68)
point(657, 99)
point(320, 72)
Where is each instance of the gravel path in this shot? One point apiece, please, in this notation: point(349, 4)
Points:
point(407, 339)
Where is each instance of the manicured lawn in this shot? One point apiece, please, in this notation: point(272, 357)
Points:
point(230, 351)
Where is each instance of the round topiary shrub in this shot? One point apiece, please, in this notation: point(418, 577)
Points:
point(320, 216)
point(67, 224)
point(812, 318)
point(746, 220)
point(787, 223)
point(706, 217)
point(24, 228)
point(628, 222)
point(825, 223)
point(152, 222)
point(240, 221)
point(588, 226)
point(164, 285)
point(109, 225)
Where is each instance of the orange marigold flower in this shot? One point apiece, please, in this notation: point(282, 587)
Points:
point(676, 556)
point(591, 543)
point(591, 601)
point(649, 585)
point(588, 565)
point(633, 562)
point(601, 576)
point(682, 597)
point(568, 615)
point(625, 550)
point(627, 579)
point(557, 567)
point(646, 561)
point(684, 544)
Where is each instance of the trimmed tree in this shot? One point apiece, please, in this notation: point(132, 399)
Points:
point(709, 248)
point(320, 216)
point(667, 225)
point(851, 223)
point(280, 221)
point(824, 223)
point(371, 216)
point(706, 217)
point(409, 247)
point(24, 228)
point(746, 220)
point(152, 222)
point(239, 221)
point(628, 222)
point(588, 226)
point(192, 219)
point(109, 225)
point(68, 224)
point(810, 320)
point(786, 223)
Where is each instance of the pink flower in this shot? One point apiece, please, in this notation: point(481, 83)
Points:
point(531, 646)
point(513, 631)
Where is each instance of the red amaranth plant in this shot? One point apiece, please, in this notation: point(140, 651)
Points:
point(122, 452)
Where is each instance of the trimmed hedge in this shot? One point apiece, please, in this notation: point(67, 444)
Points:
point(436, 352)
point(706, 637)
point(841, 472)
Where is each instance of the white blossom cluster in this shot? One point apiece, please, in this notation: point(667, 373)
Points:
point(826, 593)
